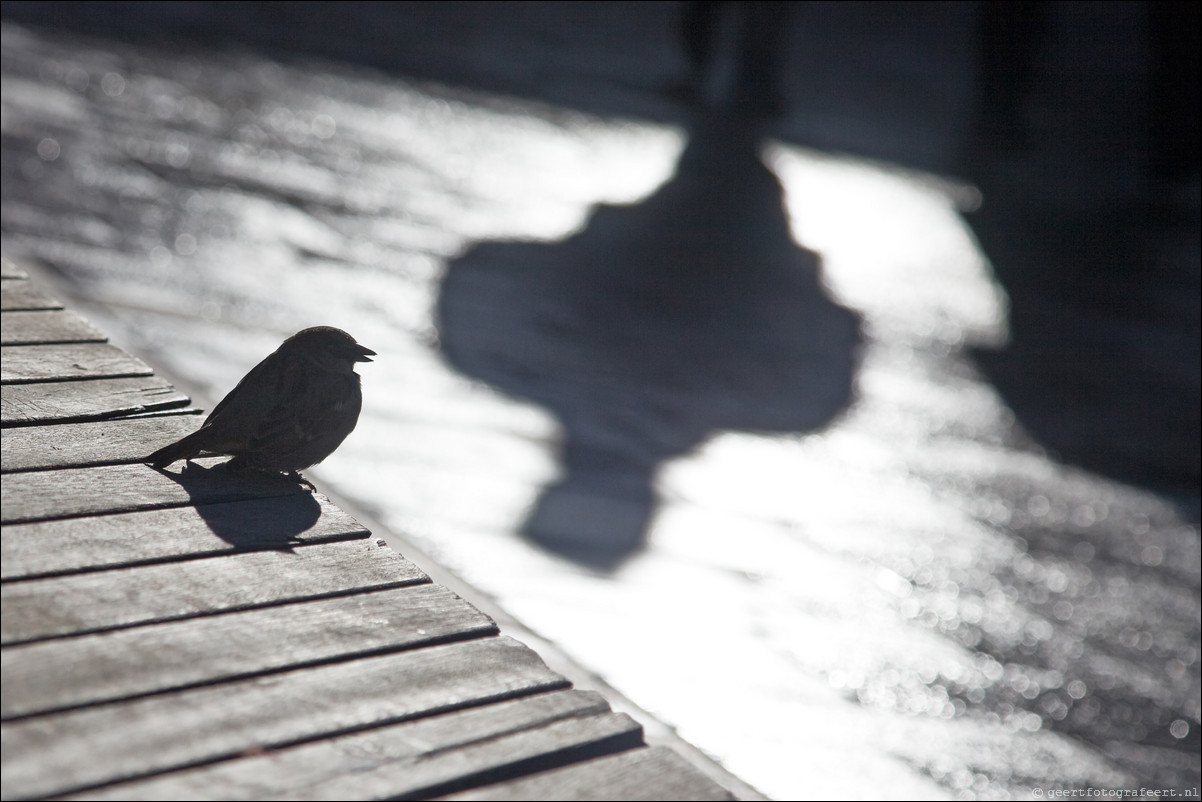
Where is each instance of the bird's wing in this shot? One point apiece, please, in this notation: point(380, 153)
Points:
point(321, 410)
point(240, 413)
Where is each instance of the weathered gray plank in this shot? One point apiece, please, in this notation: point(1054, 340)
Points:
point(9, 269)
point(26, 404)
point(69, 361)
point(72, 751)
point(45, 327)
point(517, 754)
point(82, 603)
point(71, 672)
point(42, 495)
point(23, 294)
point(405, 760)
point(79, 445)
point(650, 773)
point(125, 539)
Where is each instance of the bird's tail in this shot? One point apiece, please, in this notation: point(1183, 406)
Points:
point(181, 449)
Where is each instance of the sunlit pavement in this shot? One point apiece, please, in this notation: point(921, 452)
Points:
point(799, 526)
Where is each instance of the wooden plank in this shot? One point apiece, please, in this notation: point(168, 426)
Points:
point(73, 751)
point(406, 760)
point(650, 773)
point(560, 743)
point(82, 603)
point(66, 362)
point(43, 495)
point(44, 327)
point(71, 672)
point(66, 402)
point(9, 269)
point(79, 445)
point(17, 294)
point(45, 548)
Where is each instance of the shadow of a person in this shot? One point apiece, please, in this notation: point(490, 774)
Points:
point(1090, 177)
point(661, 323)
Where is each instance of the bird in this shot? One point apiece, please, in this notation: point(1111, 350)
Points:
point(291, 411)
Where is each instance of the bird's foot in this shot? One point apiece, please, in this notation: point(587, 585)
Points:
point(296, 476)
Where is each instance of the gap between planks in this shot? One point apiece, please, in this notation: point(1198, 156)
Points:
point(42, 549)
point(53, 494)
point(74, 751)
point(74, 672)
point(79, 604)
point(461, 748)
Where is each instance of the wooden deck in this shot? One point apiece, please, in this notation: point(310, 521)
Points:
point(205, 635)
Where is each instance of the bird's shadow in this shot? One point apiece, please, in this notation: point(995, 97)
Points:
point(280, 508)
point(655, 327)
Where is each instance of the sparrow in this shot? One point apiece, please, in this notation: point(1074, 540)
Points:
point(291, 411)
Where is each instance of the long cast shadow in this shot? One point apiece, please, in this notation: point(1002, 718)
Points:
point(655, 327)
point(1090, 220)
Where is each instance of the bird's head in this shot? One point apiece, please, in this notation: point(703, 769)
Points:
point(328, 345)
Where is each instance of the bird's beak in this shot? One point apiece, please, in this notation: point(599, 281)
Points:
point(363, 354)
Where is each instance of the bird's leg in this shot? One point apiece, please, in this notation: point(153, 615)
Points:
point(296, 476)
